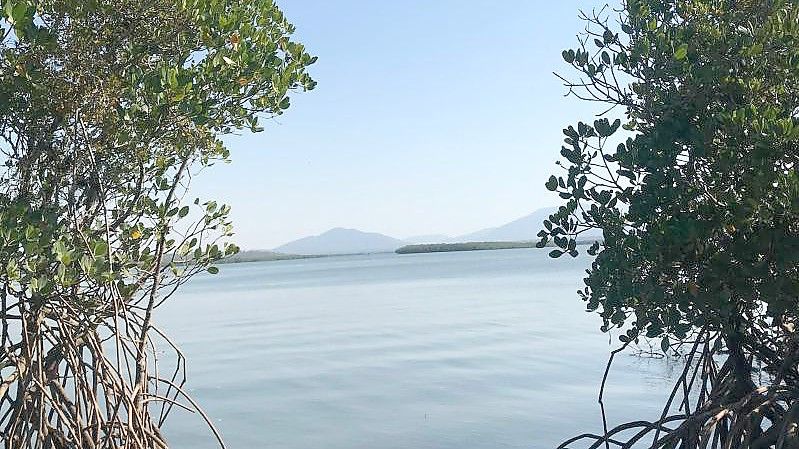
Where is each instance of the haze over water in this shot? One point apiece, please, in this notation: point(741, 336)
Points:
point(487, 349)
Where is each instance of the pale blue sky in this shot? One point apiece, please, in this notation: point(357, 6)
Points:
point(429, 117)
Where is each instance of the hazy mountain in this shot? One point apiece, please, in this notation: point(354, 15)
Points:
point(524, 228)
point(342, 241)
point(353, 241)
point(431, 238)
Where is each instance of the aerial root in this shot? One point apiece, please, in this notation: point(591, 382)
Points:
point(70, 381)
point(712, 407)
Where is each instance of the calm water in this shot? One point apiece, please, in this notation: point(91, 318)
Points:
point(486, 349)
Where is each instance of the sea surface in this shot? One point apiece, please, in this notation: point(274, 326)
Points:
point(469, 350)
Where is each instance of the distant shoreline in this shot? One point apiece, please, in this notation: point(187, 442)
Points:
point(466, 246)
point(271, 256)
point(473, 246)
point(263, 256)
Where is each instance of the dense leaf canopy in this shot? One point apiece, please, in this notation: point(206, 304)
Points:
point(107, 110)
point(691, 172)
point(696, 186)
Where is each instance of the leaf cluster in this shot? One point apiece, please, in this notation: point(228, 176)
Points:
point(690, 172)
point(108, 110)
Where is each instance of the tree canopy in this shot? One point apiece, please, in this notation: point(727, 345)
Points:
point(691, 172)
point(107, 111)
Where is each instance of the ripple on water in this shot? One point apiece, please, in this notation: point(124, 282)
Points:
point(480, 350)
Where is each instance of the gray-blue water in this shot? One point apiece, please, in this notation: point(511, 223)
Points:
point(488, 349)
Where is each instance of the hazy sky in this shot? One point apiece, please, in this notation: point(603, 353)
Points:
point(429, 117)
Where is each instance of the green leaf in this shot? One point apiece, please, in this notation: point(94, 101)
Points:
point(12, 270)
point(681, 52)
point(19, 12)
point(183, 211)
point(552, 184)
point(555, 253)
point(213, 270)
point(31, 233)
point(100, 248)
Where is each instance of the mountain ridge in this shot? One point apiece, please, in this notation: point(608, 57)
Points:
point(341, 241)
point(523, 228)
point(354, 241)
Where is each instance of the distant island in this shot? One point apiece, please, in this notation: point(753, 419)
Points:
point(467, 246)
point(478, 246)
point(519, 233)
point(262, 256)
